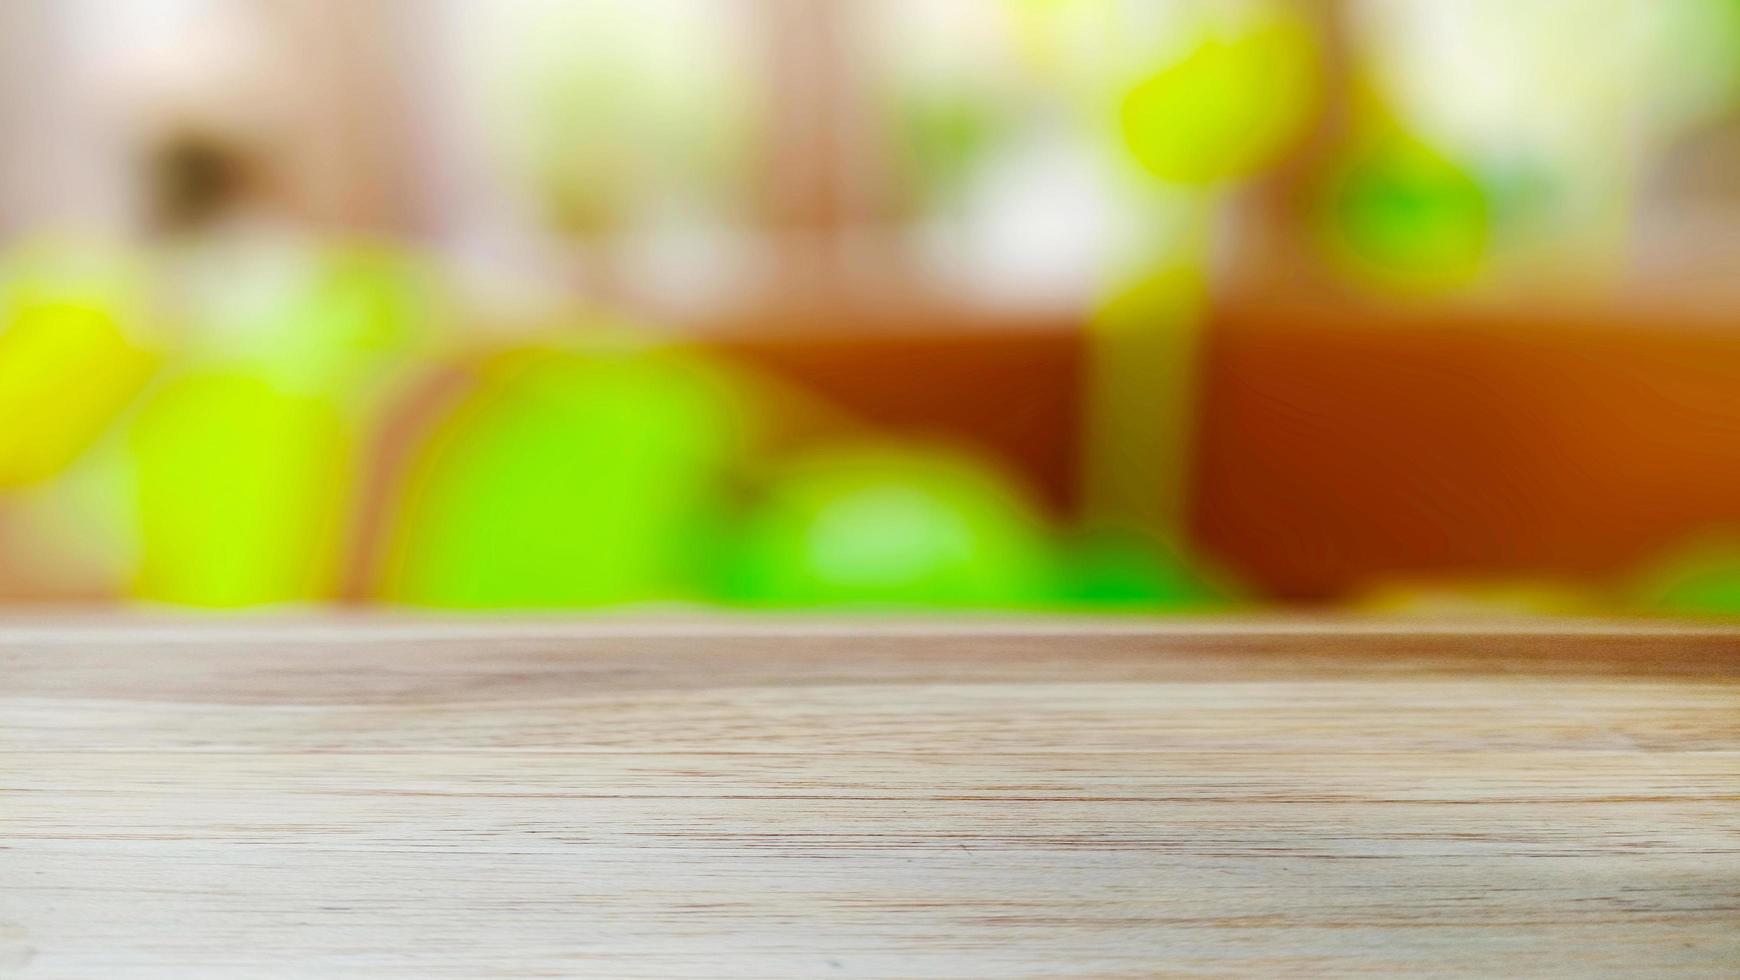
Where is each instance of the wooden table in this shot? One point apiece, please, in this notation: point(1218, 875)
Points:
point(804, 800)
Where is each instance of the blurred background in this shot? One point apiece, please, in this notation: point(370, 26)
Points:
point(1398, 306)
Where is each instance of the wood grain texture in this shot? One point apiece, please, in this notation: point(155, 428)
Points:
point(1054, 799)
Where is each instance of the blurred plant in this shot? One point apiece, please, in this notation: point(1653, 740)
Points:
point(945, 136)
point(335, 318)
point(246, 457)
point(1698, 579)
point(1202, 100)
point(1131, 572)
point(243, 491)
point(1142, 366)
point(952, 98)
point(76, 346)
point(1401, 214)
point(571, 476)
point(892, 526)
point(1239, 95)
point(1557, 112)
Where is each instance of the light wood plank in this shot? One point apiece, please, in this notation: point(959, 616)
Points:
point(1048, 799)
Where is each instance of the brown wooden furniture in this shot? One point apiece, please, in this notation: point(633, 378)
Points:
point(1341, 444)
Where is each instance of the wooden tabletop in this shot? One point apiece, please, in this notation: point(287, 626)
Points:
point(809, 800)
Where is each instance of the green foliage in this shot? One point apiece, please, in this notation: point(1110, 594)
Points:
point(1228, 107)
point(570, 479)
point(893, 527)
point(1403, 214)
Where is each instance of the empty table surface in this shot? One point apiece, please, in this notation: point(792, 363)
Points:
point(791, 799)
